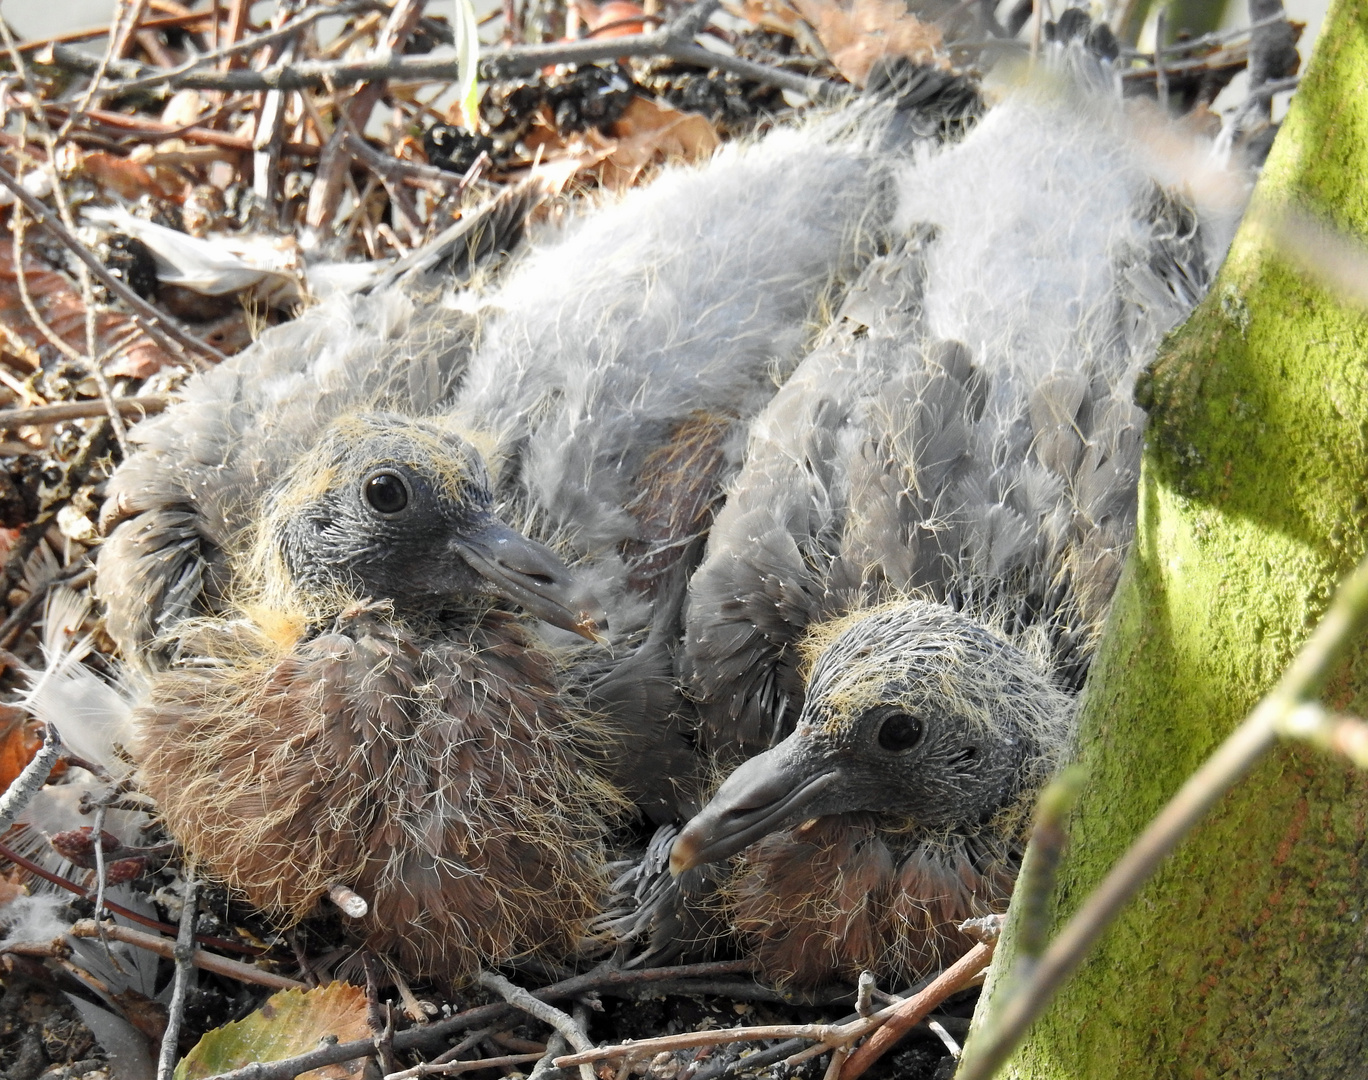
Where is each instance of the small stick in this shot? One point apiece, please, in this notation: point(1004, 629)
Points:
point(33, 777)
point(905, 1016)
point(207, 961)
point(451, 1068)
point(479, 1016)
point(249, 44)
point(71, 37)
point(864, 994)
point(154, 321)
point(62, 883)
point(143, 405)
point(547, 1014)
point(184, 952)
point(377, 1017)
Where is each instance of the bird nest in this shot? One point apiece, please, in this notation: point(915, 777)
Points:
point(181, 179)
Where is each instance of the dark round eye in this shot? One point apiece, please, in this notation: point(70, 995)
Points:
point(386, 492)
point(899, 732)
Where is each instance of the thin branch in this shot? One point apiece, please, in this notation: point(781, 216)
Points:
point(70, 886)
point(206, 961)
point(184, 953)
point(1302, 682)
point(249, 44)
point(907, 1015)
point(143, 405)
point(599, 980)
point(547, 1014)
point(452, 1068)
point(93, 361)
point(119, 36)
point(33, 777)
point(153, 321)
point(674, 41)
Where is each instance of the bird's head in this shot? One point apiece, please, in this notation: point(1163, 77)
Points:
point(912, 710)
point(390, 508)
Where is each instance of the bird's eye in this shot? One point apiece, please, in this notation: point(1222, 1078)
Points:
point(386, 492)
point(899, 732)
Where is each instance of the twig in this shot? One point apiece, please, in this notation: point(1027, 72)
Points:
point(905, 1016)
point(207, 961)
point(326, 191)
point(672, 41)
point(377, 1017)
point(480, 1016)
point(547, 1014)
point(120, 33)
point(1161, 82)
point(93, 361)
point(152, 320)
point(146, 127)
point(1035, 884)
point(143, 405)
point(71, 36)
point(143, 920)
point(284, 32)
point(31, 779)
point(75, 576)
point(1256, 734)
point(452, 1068)
point(184, 953)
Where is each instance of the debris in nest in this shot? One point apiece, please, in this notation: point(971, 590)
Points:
point(225, 206)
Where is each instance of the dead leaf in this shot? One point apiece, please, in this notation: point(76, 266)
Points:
point(768, 15)
point(19, 741)
point(122, 176)
point(291, 1022)
point(650, 132)
point(615, 18)
point(857, 35)
point(59, 303)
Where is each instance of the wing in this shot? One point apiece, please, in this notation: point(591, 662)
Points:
point(178, 508)
point(967, 434)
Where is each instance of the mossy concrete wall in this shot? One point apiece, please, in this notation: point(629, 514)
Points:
point(1245, 957)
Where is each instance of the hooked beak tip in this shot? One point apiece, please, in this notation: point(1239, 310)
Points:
point(683, 854)
point(587, 627)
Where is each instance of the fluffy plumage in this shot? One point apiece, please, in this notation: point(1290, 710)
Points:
point(902, 593)
point(332, 698)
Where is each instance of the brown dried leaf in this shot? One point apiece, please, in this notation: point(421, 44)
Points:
point(649, 132)
point(133, 353)
point(122, 176)
point(19, 741)
point(768, 15)
point(857, 35)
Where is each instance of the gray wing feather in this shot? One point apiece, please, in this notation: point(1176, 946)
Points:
point(966, 432)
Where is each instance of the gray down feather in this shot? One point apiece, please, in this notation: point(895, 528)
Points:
point(689, 298)
point(965, 433)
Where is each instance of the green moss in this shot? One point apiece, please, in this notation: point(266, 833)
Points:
point(1245, 956)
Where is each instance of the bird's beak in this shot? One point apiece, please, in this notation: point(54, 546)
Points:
point(766, 793)
point(530, 575)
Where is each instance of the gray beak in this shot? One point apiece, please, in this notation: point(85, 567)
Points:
point(766, 793)
point(531, 576)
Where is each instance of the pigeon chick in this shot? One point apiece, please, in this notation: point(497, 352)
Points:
point(306, 573)
point(375, 724)
point(901, 596)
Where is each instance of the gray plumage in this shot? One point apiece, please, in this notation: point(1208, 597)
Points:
point(303, 555)
point(901, 596)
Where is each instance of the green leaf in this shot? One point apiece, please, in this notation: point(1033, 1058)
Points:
point(468, 61)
